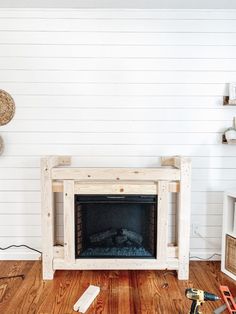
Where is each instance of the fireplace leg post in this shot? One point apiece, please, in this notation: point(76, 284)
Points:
point(47, 268)
point(47, 203)
point(184, 205)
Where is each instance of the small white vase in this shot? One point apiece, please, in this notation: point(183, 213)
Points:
point(230, 135)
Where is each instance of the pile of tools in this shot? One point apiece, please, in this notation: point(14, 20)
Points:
point(198, 297)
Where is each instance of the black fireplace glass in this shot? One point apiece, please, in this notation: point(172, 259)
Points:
point(115, 226)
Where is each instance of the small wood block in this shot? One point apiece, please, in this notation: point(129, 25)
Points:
point(86, 299)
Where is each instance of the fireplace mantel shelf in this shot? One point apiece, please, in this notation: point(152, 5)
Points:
point(173, 177)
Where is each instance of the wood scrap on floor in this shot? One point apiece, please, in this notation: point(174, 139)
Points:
point(86, 299)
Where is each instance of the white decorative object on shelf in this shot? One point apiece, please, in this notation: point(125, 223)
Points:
point(232, 91)
point(228, 102)
point(228, 248)
point(230, 134)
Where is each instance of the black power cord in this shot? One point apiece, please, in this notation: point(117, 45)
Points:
point(205, 259)
point(24, 245)
point(14, 245)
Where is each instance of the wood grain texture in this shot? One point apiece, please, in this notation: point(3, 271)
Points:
point(162, 221)
point(184, 219)
point(69, 175)
point(124, 174)
point(122, 292)
point(48, 214)
point(69, 221)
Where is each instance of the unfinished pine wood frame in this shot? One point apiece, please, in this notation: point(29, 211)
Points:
point(173, 176)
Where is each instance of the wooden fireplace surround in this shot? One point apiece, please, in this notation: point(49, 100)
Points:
point(174, 175)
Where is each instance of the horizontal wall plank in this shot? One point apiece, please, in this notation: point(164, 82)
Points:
point(206, 209)
point(106, 101)
point(118, 13)
point(213, 197)
point(123, 25)
point(205, 243)
point(22, 255)
point(114, 138)
point(22, 173)
point(214, 174)
point(20, 231)
point(213, 185)
point(84, 128)
point(34, 242)
point(109, 51)
point(117, 64)
point(115, 89)
point(19, 185)
point(209, 232)
point(208, 221)
point(20, 208)
point(120, 150)
point(126, 114)
point(19, 162)
point(19, 197)
point(199, 254)
point(117, 77)
point(107, 38)
point(20, 220)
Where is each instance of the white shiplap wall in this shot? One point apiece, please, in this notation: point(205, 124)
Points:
point(115, 88)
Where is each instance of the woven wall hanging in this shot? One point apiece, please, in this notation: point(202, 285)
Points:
point(7, 107)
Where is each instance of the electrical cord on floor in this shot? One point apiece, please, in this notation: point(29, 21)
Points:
point(14, 245)
point(24, 245)
point(205, 259)
point(165, 284)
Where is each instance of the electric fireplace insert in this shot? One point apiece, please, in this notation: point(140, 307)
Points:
point(115, 226)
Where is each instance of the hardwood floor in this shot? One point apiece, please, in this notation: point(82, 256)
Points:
point(122, 292)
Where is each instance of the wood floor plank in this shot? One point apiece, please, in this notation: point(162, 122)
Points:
point(13, 285)
point(122, 292)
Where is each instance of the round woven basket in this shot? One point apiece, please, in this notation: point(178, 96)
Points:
point(1, 145)
point(7, 107)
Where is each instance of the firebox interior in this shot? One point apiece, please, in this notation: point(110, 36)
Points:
point(115, 226)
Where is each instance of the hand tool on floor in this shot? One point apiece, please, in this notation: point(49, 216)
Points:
point(222, 308)
point(199, 297)
point(229, 300)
